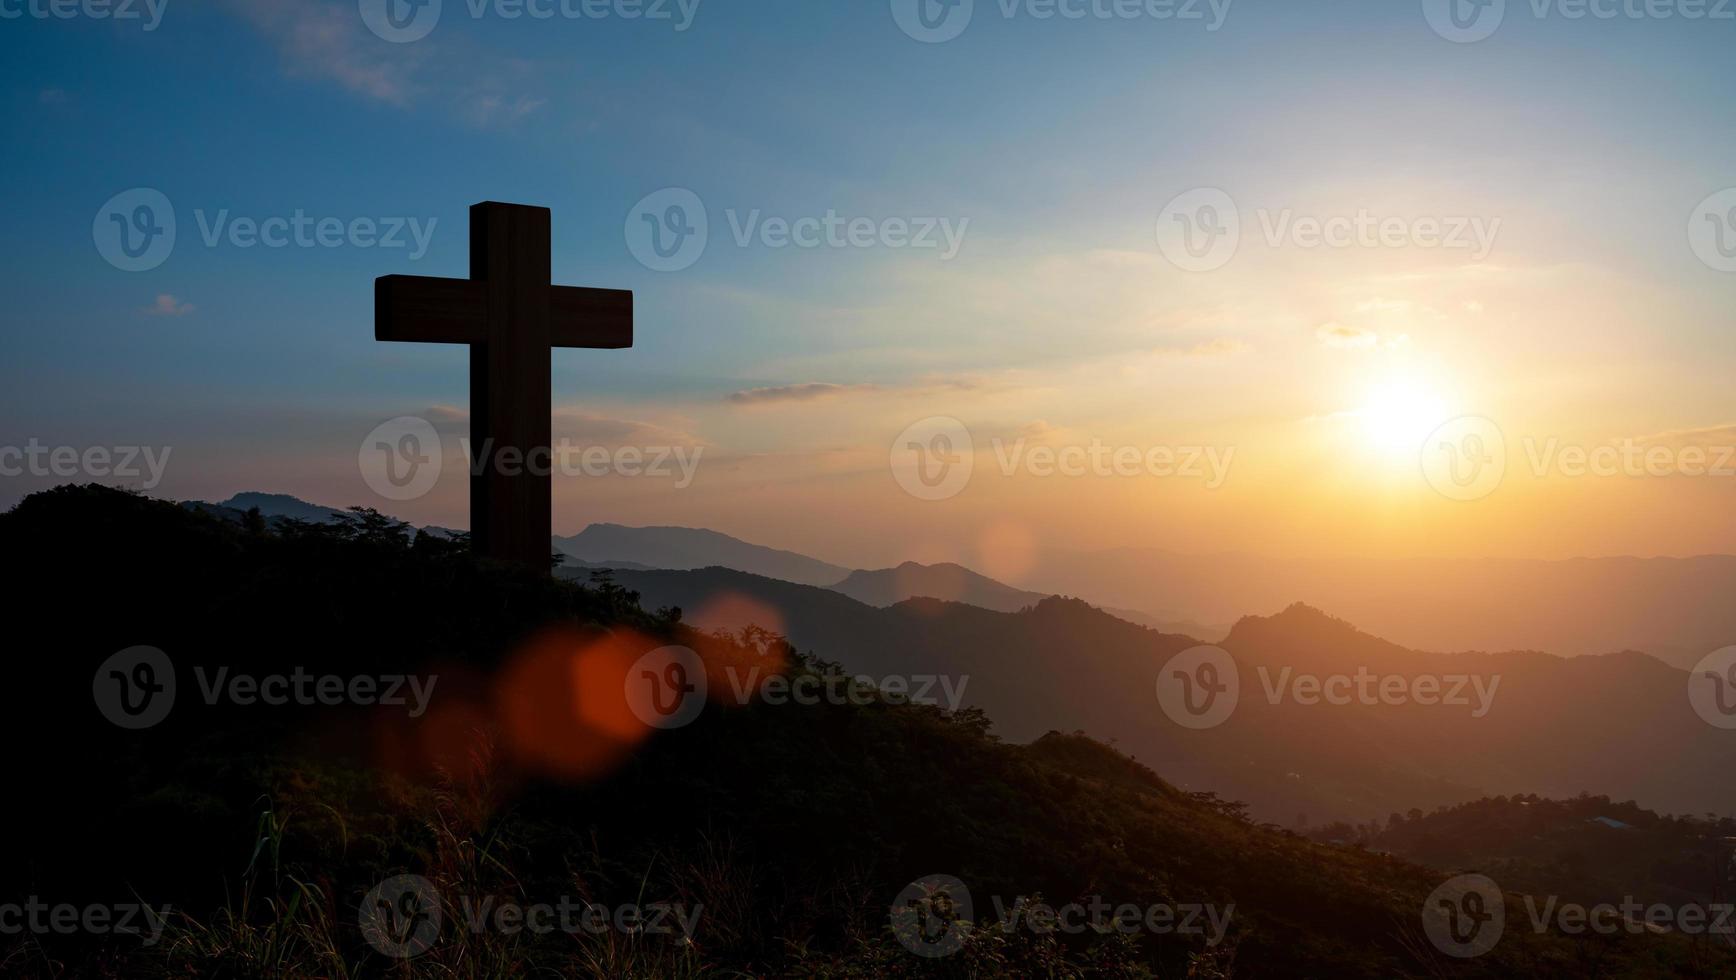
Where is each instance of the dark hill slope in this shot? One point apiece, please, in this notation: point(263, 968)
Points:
point(793, 827)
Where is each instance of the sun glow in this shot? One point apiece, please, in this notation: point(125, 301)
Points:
point(1399, 412)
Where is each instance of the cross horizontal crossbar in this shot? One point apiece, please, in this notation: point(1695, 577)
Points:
point(431, 310)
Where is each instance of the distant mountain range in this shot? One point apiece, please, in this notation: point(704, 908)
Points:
point(271, 506)
point(686, 547)
point(954, 583)
point(1677, 609)
point(1619, 724)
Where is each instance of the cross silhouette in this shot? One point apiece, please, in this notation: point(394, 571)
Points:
point(511, 316)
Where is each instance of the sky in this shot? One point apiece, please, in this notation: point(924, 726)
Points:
point(1264, 276)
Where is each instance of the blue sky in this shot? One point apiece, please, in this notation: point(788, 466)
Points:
point(1059, 141)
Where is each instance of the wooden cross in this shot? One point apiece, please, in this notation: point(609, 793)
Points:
point(511, 316)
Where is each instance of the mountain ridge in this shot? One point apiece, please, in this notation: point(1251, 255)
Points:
point(1065, 664)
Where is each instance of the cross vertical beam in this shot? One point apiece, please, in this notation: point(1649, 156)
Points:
point(510, 402)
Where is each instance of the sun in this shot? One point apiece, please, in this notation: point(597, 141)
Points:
point(1398, 412)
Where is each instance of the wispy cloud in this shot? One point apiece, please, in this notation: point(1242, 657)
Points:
point(795, 393)
point(328, 41)
point(581, 426)
point(1346, 337)
point(1711, 435)
point(167, 305)
point(494, 109)
point(1215, 347)
point(591, 428)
